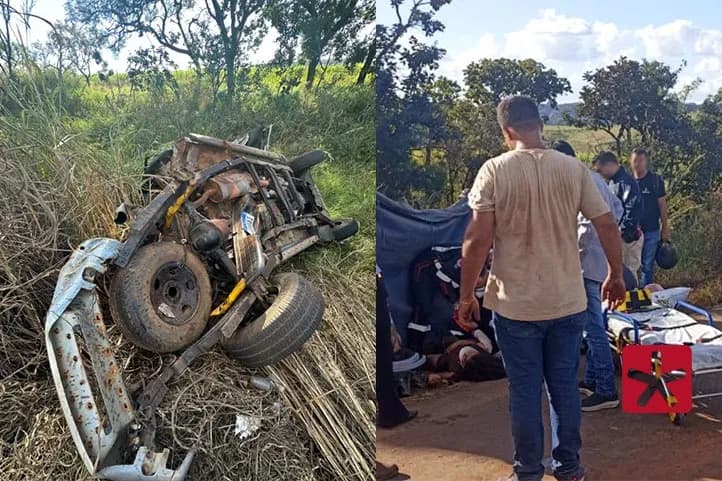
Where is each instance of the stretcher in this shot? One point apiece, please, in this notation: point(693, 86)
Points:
point(658, 324)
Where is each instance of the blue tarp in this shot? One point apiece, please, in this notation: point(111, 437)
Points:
point(402, 233)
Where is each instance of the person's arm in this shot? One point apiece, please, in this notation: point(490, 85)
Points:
point(613, 289)
point(477, 242)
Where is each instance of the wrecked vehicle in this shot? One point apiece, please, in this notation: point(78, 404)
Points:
point(195, 269)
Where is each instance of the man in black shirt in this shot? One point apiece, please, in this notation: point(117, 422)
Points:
point(626, 189)
point(654, 209)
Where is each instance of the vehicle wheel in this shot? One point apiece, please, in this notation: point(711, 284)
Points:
point(283, 328)
point(161, 300)
point(306, 161)
point(344, 228)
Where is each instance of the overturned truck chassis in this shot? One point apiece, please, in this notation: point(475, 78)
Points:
point(115, 431)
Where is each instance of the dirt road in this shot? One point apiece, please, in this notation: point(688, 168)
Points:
point(462, 434)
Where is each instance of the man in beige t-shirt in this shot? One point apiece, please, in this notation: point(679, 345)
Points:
point(526, 203)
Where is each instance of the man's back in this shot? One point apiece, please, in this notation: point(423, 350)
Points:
point(536, 195)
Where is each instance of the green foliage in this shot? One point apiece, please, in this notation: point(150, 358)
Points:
point(490, 80)
point(325, 28)
point(406, 116)
point(113, 127)
point(631, 96)
point(151, 69)
point(216, 36)
point(75, 47)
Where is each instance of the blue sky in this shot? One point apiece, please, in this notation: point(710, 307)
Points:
point(573, 37)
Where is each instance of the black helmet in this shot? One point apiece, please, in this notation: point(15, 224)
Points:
point(666, 255)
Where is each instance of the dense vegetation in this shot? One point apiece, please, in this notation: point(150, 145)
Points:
point(434, 133)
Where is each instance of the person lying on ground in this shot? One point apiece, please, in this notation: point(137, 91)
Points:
point(525, 202)
point(435, 288)
point(464, 360)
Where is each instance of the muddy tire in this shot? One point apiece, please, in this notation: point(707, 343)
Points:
point(344, 228)
point(283, 328)
point(305, 161)
point(161, 300)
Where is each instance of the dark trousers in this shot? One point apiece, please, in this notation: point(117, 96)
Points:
point(391, 410)
point(535, 351)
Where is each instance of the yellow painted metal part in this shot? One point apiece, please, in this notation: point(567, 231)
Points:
point(172, 210)
point(232, 296)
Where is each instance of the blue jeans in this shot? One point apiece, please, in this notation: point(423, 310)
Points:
point(600, 366)
point(534, 352)
point(649, 252)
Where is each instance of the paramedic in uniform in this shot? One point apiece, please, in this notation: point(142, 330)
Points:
point(526, 203)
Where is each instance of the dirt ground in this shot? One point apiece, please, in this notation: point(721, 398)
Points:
point(462, 433)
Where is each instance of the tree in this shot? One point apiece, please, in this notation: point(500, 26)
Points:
point(368, 64)
point(152, 69)
point(489, 80)
point(320, 27)
point(72, 46)
point(630, 95)
point(198, 31)
point(405, 113)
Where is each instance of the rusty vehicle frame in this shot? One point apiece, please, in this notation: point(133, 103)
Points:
point(114, 429)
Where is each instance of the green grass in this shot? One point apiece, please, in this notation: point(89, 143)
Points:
point(586, 142)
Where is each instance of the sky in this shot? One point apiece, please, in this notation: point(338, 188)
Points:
point(573, 37)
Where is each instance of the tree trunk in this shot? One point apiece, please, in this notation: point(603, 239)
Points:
point(231, 76)
point(366, 67)
point(311, 73)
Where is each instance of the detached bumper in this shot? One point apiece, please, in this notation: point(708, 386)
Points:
point(104, 427)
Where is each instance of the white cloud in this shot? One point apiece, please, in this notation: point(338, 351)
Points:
point(453, 64)
point(573, 45)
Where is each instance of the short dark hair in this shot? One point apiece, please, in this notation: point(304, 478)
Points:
point(564, 147)
point(640, 151)
point(482, 367)
point(605, 157)
point(518, 112)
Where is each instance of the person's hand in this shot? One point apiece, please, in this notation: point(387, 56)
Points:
point(484, 341)
point(665, 235)
point(434, 380)
point(468, 314)
point(613, 291)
